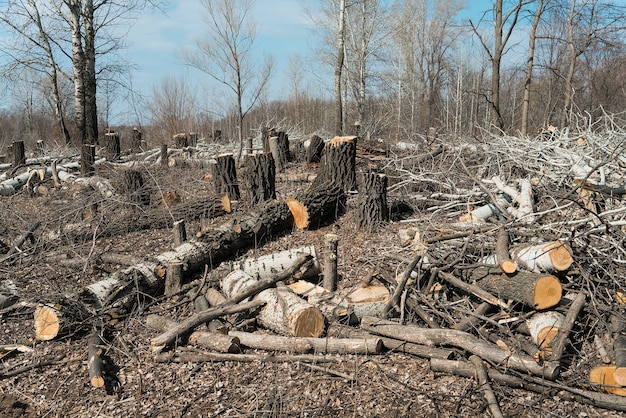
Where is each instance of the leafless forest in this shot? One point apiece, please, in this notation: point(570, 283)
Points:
point(440, 234)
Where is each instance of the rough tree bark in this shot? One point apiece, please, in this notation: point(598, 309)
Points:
point(259, 177)
point(225, 176)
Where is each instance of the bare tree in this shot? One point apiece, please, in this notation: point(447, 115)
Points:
point(339, 67)
point(172, 106)
point(33, 48)
point(497, 51)
point(532, 37)
point(226, 55)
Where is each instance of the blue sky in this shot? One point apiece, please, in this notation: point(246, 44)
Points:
point(156, 39)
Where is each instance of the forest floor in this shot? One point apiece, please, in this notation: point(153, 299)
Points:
point(52, 379)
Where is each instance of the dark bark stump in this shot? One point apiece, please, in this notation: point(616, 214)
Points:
point(87, 160)
point(315, 150)
point(163, 155)
point(372, 211)
point(225, 176)
point(338, 163)
point(135, 142)
point(265, 136)
point(19, 154)
point(320, 205)
point(539, 291)
point(260, 178)
point(112, 148)
point(217, 135)
point(283, 140)
point(133, 186)
point(279, 152)
point(180, 140)
point(192, 140)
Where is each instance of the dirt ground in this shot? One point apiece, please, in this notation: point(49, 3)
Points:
point(52, 379)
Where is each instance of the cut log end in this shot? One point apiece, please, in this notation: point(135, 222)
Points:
point(310, 323)
point(605, 376)
point(47, 324)
point(338, 140)
point(299, 212)
point(97, 381)
point(226, 204)
point(548, 292)
point(508, 266)
point(620, 376)
point(560, 255)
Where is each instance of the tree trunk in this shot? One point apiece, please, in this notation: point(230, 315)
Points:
point(78, 65)
point(225, 176)
point(87, 160)
point(372, 211)
point(279, 151)
point(91, 111)
point(339, 70)
point(259, 177)
point(19, 154)
point(529, 68)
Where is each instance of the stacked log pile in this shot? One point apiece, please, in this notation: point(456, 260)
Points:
point(511, 267)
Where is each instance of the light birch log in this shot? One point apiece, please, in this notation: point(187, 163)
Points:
point(547, 257)
point(544, 327)
point(267, 265)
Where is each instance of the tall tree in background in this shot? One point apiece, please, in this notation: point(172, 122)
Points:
point(32, 48)
point(532, 37)
point(501, 19)
point(425, 35)
point(339, 67)
point(226, 55)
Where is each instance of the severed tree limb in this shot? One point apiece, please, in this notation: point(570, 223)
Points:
point(347, 377)
point(464, 340)
point(17, 247)
point(502, 252)
point(483, 382)
point(395, 298)
point(534, 384)
point(203, 356)
point(95, 362)
point(232, 306)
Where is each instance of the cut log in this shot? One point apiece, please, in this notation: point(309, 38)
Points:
point(265, 266)
point(544, 327)
point(332, 305)
point(548, 257)
point(168, 337)
point(372, 209)
point(59, 319)
point(540, 291)
point(214, 297)
point(605, 377)
point(284, 312)
point(466, 341)
point(369, 300)
point(338, 163)
point(259, 178)
point(173, 277)
point(225, 176)
point(216, 341)
point(95, 362)
point(484, 212)
point(272, 342)
point(321, 204)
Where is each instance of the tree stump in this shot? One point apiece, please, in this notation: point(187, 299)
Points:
point(314, 150)
point(19, 155)
point(135, 140)
point(112, 148)
point(372, 210)
point(180, 140)
point(217, 135)
point(266, 132)
point(338, 163)
point(163, 155)
point(192, 139)
point(321, 204)
point(539, 291)
point(279, 146)
point(87, 160)
point(225, 176)
point(133, 186)
point(259, 177)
